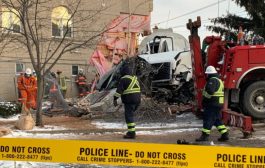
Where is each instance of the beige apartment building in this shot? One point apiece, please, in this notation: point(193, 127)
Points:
point(90, 18)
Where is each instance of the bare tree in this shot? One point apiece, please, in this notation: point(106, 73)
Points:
point(49, 30)
point(74, 29)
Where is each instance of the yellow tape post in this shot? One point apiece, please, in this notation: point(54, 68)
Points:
point(130, 154)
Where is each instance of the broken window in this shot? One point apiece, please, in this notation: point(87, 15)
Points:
point(164, 47)
point(159, 44)
point(154, 46)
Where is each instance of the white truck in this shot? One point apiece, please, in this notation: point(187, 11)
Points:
point(163, 67)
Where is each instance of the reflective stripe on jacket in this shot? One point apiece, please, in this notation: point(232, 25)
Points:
point(81, 80)
point(219, 94)
point(129, 90)
point(134, 86)
point(62, 83)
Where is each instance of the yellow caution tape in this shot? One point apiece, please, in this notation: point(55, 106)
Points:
point(130, 154)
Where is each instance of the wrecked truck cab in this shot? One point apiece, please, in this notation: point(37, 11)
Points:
point(163, 40)
point(164, 68)
point(169, 68)
point(169, 55)
point(171, 76)
point(166, 77)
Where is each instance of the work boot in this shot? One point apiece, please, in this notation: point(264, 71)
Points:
point(129, 135)
point(203, 137)
point(224, 137)
point(182, 141)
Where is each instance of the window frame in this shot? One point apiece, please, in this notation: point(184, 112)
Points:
point(61, 26)
point(16, 68)
point(73, 68)
point(11, 23)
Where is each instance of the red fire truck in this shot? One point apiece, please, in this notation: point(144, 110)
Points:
point(242, 68)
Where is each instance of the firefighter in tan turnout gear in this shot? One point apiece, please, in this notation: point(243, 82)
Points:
point(213, 99)
point(130, 93)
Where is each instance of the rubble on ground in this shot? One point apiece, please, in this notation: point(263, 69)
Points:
point(84, 104)
point(151, 110)
point(98, 104)
point(103, 101)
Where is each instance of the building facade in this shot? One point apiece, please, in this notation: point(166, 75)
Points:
point(74, 21)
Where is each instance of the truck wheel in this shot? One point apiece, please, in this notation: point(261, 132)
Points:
point(254, 100)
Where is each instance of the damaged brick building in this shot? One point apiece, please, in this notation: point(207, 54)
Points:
point(118, 37)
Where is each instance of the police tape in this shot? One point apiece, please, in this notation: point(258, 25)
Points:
point(130, 154)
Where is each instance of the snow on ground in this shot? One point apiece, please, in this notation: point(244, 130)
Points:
point(161, 132)
point(111, 125)
point(12, 118)
point(184, 120)
point(25, 134)
point(22, 134)
point(183, 123)
point(48, 128)
point(20, 164)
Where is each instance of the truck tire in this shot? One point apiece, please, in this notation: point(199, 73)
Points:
point(254, 100)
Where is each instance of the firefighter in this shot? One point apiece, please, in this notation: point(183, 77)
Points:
point(26, 86)
point(213, 99)
point(61, 82)
point(240, 36)
point(129, 91)
point(53, 86)
point(81, 83)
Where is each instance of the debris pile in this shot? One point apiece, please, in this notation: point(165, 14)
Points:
point(84, 104)
point(80, 107)
point(100, 105)
point(151, 110)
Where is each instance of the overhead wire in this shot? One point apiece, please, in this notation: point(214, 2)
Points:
point(191, 12)
point(205, 20)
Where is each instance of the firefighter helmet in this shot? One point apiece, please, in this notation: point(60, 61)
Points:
point(28, 71)
point(81, 71)
point(210, 70)
point(34, 72)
